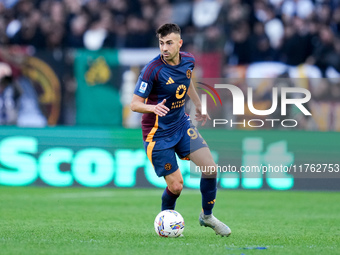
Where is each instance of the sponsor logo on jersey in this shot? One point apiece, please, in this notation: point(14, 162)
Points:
point(181, 88)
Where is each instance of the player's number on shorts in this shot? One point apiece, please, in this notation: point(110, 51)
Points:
point(193, 134)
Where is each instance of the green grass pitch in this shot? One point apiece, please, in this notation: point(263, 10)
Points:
point(40, 220)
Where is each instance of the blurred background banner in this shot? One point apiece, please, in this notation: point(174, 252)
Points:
point(98, 78)
point(37, 81)
point(114, 157)
point(68, 70)
point(82, 87)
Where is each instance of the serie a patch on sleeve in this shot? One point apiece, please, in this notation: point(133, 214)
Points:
point(142, 87)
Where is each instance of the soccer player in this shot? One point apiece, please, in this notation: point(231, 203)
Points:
point(160, 95)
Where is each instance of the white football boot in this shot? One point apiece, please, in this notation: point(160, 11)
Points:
point(212, 222)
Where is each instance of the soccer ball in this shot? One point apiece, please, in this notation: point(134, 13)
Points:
point(169, 223)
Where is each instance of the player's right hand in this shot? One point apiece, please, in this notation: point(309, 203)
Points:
point(160, 109)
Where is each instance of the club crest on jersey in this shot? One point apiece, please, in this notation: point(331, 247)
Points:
point(168, 166)
point(188, 73)
point(142, 87)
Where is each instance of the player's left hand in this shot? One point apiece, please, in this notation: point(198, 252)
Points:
point(200, 117)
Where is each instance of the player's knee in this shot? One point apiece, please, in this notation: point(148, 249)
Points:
point(176, 188)
point(209, 171)
point(209, 175)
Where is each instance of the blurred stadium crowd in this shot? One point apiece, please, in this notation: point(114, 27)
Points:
point(234, 33)
point(291, 31)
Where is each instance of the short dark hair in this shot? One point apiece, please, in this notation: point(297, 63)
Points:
point(167, 29)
